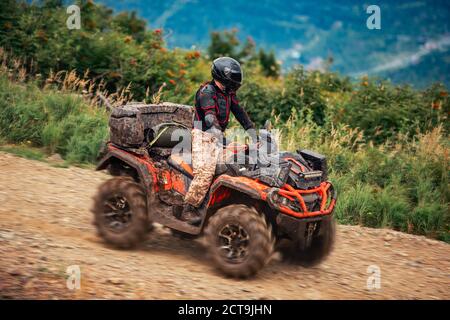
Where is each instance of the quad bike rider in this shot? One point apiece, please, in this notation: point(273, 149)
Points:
point(249, 206)
point(214, 101)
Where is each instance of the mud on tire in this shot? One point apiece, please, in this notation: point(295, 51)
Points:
point(134, 212)
point(252, 226)
point(319, 250)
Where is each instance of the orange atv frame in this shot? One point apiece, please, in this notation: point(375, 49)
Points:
point(143, 168)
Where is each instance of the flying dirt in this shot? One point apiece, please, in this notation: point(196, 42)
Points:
point(46, 227)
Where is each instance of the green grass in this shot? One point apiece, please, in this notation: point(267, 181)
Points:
point(26, 152)
point(402, 184)
point(58, 122)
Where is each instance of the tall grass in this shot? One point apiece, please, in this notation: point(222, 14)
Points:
point(63, 117)
point(402, 184)
point(60, 122)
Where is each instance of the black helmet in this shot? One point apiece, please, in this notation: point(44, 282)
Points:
point(228, 72)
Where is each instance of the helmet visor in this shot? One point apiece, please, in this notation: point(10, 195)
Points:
point(233, 86)
point(236, 76)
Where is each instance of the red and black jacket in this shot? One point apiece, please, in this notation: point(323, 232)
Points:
point(211, 100)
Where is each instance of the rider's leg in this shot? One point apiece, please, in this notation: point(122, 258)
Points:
point(204, 159)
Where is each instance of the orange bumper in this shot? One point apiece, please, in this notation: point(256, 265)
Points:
point(325, 192)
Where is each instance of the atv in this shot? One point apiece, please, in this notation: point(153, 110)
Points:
point(248, 210)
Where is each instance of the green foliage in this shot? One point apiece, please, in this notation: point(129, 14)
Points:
point(381, 110)
point(401, 185)
point(269, 64)
point(255, 99)
point(24, 151)
point(129, 23)
point(223, 44)
point(226, 43)
point(118, 50)
point(386, 145)
point(299, 91)
point(21, 117)
point(60, 122)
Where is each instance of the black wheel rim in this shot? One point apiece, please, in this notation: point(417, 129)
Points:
point(234, 243)
point(117, 213)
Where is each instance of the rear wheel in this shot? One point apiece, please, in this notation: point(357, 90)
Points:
point(120, 212)
point(239, 239)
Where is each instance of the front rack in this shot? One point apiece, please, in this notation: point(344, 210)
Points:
point(325, 191)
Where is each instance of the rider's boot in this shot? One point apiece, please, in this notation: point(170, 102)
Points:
point(191, 215)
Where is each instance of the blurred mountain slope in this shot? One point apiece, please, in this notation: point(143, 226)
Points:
point(308, 32)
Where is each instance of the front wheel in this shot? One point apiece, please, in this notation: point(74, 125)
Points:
point(120, 212)
point(319, 249)
point(239, 239)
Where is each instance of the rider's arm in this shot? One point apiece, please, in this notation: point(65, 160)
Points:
point(240, 114)
point(208, 105)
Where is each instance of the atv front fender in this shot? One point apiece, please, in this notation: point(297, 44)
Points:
point(222, 186)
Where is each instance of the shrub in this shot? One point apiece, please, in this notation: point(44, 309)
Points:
point(401, 185)
point(382, 110)
point(61, 122)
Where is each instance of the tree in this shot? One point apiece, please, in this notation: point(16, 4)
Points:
point(130, 24)
point(223, 44)
point(269, 64)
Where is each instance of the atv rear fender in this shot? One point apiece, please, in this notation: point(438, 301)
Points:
point(140, 167)
point(147, 174)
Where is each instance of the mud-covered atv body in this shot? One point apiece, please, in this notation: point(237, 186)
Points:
point(247, 210)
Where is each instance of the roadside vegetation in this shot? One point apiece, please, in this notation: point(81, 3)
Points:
point(387, 145)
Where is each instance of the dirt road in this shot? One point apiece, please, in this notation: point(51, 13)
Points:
point(45, 227)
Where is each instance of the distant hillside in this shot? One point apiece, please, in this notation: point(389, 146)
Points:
point(412, 46)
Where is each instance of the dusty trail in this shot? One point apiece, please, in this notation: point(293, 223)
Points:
point(45, 226)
